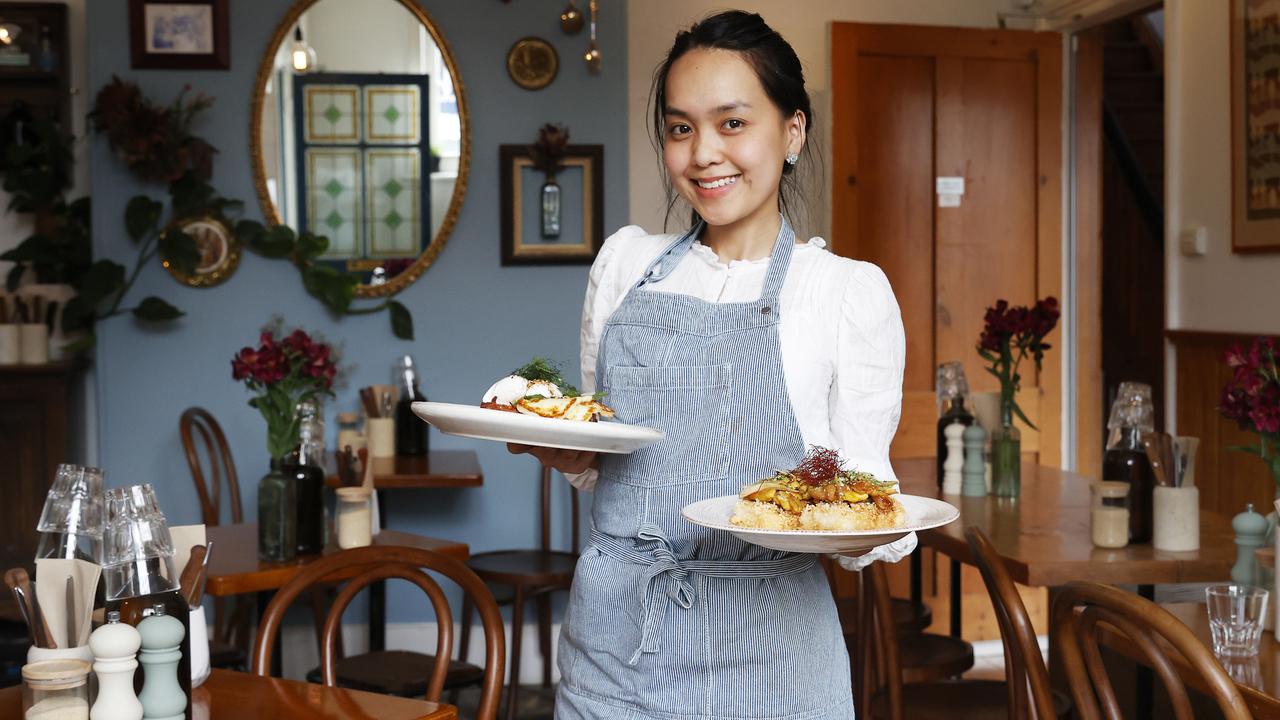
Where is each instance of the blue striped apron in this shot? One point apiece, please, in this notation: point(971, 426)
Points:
point(667, 619)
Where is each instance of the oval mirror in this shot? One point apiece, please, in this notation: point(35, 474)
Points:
point(360, 134)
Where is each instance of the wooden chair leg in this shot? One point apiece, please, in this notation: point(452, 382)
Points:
point(464, 640)
point(517, 631)
point(544, 635)
point(464, 632)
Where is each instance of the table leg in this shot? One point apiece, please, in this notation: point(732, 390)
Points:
point(1144, 686)
point(378, 594)
point(277, 657)
point(955, 598)
point(917, 575)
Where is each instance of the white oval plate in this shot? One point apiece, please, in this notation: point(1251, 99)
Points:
point(474, 421)
point(922, 513)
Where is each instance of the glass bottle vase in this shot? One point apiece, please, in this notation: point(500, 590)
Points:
point(1006, 454)
point(277, 515)
point(550, 208)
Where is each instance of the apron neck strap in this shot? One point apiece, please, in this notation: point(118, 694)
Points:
point(779, 260)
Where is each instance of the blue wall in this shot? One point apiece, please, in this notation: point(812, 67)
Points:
point(475, 320)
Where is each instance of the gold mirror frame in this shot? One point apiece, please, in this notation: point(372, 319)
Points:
point(272, 215)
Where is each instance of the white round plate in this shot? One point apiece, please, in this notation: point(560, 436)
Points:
point(922, 513)
point(474, 421)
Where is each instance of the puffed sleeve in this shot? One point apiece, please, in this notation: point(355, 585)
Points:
point(605, 285)
point(867, 390)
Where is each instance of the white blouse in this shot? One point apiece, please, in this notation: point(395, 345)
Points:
point(843, 348)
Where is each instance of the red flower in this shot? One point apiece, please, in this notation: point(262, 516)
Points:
point(1252, 396)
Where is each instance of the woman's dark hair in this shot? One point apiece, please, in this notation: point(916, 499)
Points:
point(775, 64)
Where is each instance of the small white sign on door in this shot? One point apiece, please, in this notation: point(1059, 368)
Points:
point(949, 186)
point(948, 200)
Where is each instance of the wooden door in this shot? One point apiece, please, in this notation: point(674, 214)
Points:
point(912, 104)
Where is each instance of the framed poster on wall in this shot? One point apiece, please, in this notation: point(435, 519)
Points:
point(1255, 126)
point(179, 35)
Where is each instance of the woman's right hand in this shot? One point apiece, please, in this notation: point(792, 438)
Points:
point(569, 462)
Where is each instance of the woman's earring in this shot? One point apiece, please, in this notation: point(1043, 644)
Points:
point(792, 158)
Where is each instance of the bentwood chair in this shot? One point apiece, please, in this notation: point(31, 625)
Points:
point(518, 576)
point(880, 690)
point(368, 565)
point(200, 432)
point(1077, 613)
point(1026, 677)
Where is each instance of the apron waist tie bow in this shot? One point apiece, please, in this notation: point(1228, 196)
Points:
point(651, 548)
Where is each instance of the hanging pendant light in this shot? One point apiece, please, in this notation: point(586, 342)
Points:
point(592, 56)
point(302, 54)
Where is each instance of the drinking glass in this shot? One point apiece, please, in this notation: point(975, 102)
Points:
point(71, 522)
point(137, 554)
point(1236, 613)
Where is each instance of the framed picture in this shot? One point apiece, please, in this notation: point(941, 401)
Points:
point(179, 35)
point(581, 202)
point(1255, 127)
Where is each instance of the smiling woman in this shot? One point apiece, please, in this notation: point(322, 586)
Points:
point(744, 347)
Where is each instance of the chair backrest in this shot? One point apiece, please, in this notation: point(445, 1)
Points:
point(367, 565)
point(198, 424)
point(1078, 610)
point(1025, 672)
point(544, 503)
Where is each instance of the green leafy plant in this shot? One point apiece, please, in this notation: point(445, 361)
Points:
point(37, 175)
point(156, 143)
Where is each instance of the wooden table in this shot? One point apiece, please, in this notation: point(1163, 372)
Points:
point(235, 569)
point(1044, 540)
point(1257, 678)
point(230, 695)
point(436, 469)
point(1043, 536)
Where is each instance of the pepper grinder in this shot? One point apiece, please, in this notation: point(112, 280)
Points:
point(1251, 533)
point(955, 458)
point(114, 647)
point(974, 481)
point(162, 697)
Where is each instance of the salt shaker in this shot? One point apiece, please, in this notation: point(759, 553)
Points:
point(162, 696)
point(955, 458)
point(115, 647)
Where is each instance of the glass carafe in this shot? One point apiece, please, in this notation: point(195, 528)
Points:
point(411, 433)
point(1125, 459)
point(306, 466)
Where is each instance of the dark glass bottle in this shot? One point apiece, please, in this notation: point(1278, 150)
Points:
point(952, 387)
point(1125, 459)
point(305, 467)
point(411, 432)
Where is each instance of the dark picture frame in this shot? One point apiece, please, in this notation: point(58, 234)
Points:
point(1255, 173)
point(516, 187)
point(169, 35)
